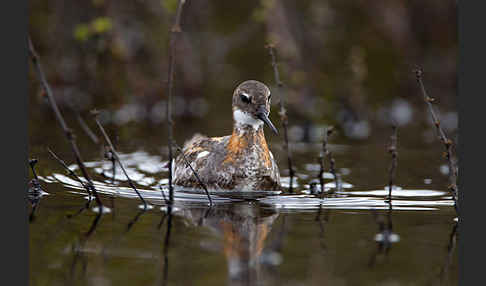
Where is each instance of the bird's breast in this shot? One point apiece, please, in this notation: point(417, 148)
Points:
point(248, 148)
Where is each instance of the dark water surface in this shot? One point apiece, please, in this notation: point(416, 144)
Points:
point(348, 238)
point(343, 63)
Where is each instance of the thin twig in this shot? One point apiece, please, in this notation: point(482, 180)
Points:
point(85, 127)
point(448, 144)
point(117, 158)
point(32, 163)
point(163, 195)
point(174, 31)
point(70, 172)
point(35, 191)
point(323, 155)
point(392, 171)
point(113, 168)
point(332, 163)
point(332, 169)
point(195, 173)
point(35, 188)
point(282, 113)
point(109, 156)
point(321, 171)
point(67, 131)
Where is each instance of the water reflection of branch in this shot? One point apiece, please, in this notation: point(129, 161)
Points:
point(32, 212)
point(165, 272)
point(283, 114)
point(322, 222)
point(448, 144)
point(162, 220)
point(79, 247)
point(127, 229)
point(385, 237)
point(206, 215)
point(134, 220)
point(450, 252)
point(67, 131)
point(82, 209)
point(117, 158)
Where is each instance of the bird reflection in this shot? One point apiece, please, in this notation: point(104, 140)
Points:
point(244, 228)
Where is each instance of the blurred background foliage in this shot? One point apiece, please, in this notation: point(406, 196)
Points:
point(345, 63)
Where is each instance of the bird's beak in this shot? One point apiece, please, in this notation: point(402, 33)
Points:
point(262, 115)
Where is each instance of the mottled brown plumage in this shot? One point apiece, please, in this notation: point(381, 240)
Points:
point(240, 161)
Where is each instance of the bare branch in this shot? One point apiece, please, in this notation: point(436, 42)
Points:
point(67, 131)
point(70, 172)
point(332, 163)
point(448, 145)
point(392, 171)
point(282, 113)
point(116, 157)
point(195, 173)
point(174, 31)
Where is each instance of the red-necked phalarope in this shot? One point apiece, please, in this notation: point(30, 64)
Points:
point(240, 161)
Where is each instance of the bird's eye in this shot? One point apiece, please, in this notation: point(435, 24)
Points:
point(245, 98)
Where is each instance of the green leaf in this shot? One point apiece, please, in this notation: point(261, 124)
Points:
point(101, 25)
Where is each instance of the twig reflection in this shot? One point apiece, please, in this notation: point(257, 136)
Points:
point(82, 209)
point(114, 242)
point(78, 248)
point(385, 237)
point(165, 271)
point(322, 222)
point(450, 253)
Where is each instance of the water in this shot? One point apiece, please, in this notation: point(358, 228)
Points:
point(351, 237)
point(343, 63)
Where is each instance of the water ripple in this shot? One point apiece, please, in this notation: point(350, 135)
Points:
point(148, 171)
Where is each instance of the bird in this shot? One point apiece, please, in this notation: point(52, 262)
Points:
point(241, 161)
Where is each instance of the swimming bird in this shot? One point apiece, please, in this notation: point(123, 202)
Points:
point(241, 161)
